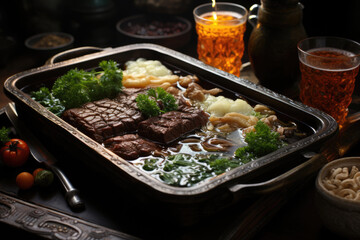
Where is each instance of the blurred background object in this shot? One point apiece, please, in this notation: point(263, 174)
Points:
point(340, 19)
point(272, 43)
point(165, 6)
point(92, 22)
point(169, 31)
point(7, 48)
point(45, 45)
point(42, 16)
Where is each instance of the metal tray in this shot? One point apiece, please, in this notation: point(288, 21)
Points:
point(221, 190)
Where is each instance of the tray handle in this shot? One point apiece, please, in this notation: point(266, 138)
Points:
point(334, 148)
point(74, 53)
point(298, 173)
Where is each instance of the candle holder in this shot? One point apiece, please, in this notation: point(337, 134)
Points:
point(220, 30)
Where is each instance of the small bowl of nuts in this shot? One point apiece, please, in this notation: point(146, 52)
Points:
point(48, 44)
point(338, 196)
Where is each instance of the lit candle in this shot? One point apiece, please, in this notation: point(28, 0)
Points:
point(214, 7)
point(220, 28)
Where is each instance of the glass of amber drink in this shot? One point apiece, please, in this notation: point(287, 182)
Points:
point(328, 68)
point(220, 30)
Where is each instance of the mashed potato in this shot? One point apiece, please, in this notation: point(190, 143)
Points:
point(143, 67)
point(147, 73)
point(219, 106)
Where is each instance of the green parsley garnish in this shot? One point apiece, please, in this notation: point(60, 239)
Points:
point(260, 142)
point(4, 134)
point(155, 102)
point(47, 99)
point(77, 87)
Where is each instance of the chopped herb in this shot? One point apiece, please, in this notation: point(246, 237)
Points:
point(184, 170)
point(77, 87)
point(260, 142)
point(4, 134)
point(150, 164)
point(258, 115)
point(147, 105)
point(221, 165)
point(47, 99)
point(155, 102)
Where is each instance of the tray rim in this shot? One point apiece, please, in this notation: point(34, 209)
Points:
point(329, 125)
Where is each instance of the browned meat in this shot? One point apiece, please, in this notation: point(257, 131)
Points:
point(107, 118)
point(171, 125)
point(115, 122)
point(128, 96)
point(130, 146)
point(196, 92)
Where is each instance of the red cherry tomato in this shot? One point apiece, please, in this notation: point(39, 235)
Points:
point(25, 180)
point(15, 153)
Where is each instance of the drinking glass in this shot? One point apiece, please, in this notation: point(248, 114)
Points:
point(220, 32)
point(328, 68)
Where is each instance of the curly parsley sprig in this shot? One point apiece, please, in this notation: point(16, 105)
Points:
point(78, 86)
point(155, 102)
point(4, 134)
point(260, 142)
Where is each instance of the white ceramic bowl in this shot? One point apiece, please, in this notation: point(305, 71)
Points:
point(340, 215)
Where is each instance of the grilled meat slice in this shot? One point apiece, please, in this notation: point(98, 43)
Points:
point(130, 146)
point(107, 118)
point(170, 126)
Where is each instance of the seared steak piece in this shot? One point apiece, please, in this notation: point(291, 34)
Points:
point(113, 122)
point(128, 96)
point(130, 146)
point(106, 118)
point(171, 125)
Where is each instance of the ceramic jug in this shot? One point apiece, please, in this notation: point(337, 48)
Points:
point(272, 47)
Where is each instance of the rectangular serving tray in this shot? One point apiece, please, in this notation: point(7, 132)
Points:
point(319, 126)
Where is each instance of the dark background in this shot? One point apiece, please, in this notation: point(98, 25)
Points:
point(93, 24)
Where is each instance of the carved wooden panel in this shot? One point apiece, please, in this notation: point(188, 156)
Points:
point(51, 224)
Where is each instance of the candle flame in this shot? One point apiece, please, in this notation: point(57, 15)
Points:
point(214, 7)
